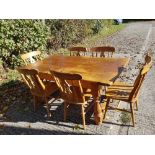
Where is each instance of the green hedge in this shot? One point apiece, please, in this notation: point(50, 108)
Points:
point(66, 32)
point(17, 36)
point(71, 31)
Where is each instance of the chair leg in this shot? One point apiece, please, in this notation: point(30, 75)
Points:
point(106, 108)
point(65, 111)
point(136, 103)
point(47, 108)
point(83, 116)
point(132, 114)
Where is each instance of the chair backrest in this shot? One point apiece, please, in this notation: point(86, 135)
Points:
point(75, 51)
point(102, 51)
point(31, 57)
point(31, 78)
point(140, 78)
point(69, 86)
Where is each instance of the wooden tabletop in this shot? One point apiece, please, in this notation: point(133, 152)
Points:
point(102, 70)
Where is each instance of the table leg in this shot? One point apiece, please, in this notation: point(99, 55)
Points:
point(98, 114)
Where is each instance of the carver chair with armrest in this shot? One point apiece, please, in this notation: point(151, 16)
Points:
point(31, 57)
point(102, 51)
point(71, 91)
point(77, 51)
point(39, 89)
point(128, 93)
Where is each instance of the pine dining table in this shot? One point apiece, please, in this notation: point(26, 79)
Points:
point(94, 71)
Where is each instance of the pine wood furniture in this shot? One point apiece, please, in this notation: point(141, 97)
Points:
point(102, 51)
point(31, 57)
point(94, 72)
point(71, 91)
point(77, 51)
point(128, 93)
point(39, 89)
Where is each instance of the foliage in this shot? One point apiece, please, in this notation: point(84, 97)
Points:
point(10, 76)
point(13, 75)
point(1, 62)
point(108, 30)
point(17, 36)
point(65, 32)
point(69, 31)
point(101, 24)
point(1, 70)
point(125, 118)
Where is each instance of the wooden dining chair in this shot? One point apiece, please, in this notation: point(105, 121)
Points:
point(31, 57)
point(128, 93)
point(71, 91)
point(77, 51)
point(102, 51)
point(39, 89)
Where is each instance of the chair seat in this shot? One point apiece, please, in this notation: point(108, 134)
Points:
point(50, 88)
point(119, 91)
